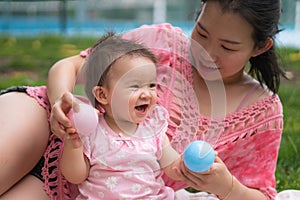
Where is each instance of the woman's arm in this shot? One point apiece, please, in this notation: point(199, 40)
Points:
point(219, 181)
point(61, 80)
point(62, 77)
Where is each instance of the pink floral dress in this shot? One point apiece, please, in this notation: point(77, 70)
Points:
point(247, 140)
point(126, 167)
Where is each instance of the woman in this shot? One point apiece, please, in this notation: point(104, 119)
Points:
point(213, 100)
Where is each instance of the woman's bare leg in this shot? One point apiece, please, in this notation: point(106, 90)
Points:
point(24, 133)
point(29, 188)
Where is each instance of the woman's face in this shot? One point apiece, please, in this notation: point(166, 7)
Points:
point(221, 44)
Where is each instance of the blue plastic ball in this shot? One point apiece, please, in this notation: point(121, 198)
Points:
point(198, 156)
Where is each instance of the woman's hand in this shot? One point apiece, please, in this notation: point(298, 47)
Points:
point(217, 180)
point(60, 124)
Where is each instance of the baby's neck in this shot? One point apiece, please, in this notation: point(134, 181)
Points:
point(126, 128)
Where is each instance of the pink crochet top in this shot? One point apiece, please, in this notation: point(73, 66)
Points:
point(247, 140)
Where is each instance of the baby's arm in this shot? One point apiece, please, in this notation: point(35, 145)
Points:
point(74, 164)
point(170, 160)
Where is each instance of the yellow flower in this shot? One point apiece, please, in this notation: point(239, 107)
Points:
point(294, 56)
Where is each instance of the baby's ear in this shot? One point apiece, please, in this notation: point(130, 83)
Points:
point(100, 94)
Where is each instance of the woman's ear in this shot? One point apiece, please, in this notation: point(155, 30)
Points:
point(262, 49)
point(100, 94)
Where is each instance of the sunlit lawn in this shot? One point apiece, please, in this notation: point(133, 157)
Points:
point(288, 170)
point(25, 61)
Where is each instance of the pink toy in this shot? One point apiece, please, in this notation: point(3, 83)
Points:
point(85, 120)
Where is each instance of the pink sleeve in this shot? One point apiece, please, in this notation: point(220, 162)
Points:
point(157, 37)
point(85, 52)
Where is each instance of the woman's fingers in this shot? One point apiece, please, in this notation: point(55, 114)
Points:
point(188, 176)
point(56, 128)
point(202, 180)
point(59, 120)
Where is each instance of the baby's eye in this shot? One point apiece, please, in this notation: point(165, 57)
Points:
point(152, 85)
point(134, 86)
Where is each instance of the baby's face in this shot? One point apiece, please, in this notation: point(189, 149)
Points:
point(132, 88)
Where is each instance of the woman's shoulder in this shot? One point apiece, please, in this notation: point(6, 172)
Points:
point(254, 93)
point(257, 116)
point(156, 27)
point(267, 101)
point(157, 36)
point(162, 26)
point(259, 100)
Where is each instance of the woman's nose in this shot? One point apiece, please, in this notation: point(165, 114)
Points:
point(210, 54)
point(205, 52)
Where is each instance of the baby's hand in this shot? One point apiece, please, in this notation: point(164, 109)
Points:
point(73, 138)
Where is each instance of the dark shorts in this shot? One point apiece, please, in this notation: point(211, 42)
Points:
point(37, 170)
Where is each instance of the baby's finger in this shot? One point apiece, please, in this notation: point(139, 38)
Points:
point(75, 140)
point(70, 130)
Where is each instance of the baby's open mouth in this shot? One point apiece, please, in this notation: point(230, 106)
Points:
point(142, 108)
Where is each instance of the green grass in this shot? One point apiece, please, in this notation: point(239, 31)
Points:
point(26, 61)
point(288, 170)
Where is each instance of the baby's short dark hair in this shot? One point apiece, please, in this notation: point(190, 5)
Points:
point(106, 51)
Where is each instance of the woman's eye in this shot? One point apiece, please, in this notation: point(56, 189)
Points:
point(228, 49)
point(201, 34)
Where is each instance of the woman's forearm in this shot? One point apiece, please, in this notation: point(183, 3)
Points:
point(62, 77)
point(239, 191)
